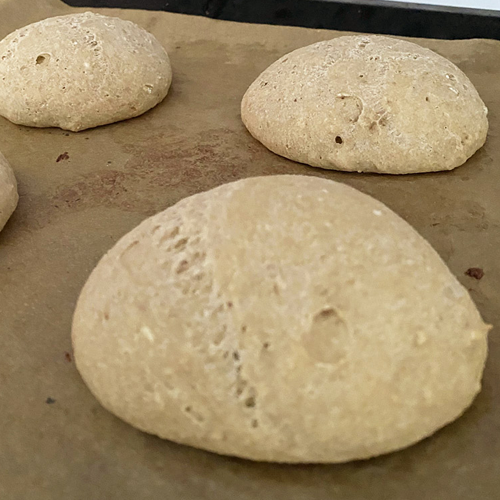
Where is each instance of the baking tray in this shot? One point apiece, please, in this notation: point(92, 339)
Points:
point(56, 442)
point(373, 16)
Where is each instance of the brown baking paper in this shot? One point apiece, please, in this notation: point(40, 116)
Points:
point(56, 442)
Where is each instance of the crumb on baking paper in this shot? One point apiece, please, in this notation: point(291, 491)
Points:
point(63, 156)
point(67, 355)
point(475, 272)
point(50, 401)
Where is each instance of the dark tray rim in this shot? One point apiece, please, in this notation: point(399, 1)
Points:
point(377, 16)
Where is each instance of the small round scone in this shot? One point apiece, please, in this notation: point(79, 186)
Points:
point(8, 192)
point(282, 318)
point(367, 104)
point(81, 71)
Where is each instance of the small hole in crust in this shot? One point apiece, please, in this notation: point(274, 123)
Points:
point(194, 414)
point(181, 244)
point(339, 140)
point(427, 99)
point(326, 313)
point(255, 423)
point(182, 267)
point(250, 402)
point(42, 58)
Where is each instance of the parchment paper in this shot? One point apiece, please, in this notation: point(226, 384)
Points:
point(56, 442)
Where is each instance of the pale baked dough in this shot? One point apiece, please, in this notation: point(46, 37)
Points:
point(367, 104)
point(81, 71)
point(8, 191)
point(285, 318)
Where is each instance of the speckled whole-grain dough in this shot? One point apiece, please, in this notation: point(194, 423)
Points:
point(81, 71)
point(282, 318)
point(367, 104)
point(8, 191)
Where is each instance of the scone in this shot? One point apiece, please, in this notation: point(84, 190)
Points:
point(282, 318)
point(367, 104)
point(80, 71)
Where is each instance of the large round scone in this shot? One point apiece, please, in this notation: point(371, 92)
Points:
point(367, 104)
point(81, 71)
point(286, 318)
point(8, 192)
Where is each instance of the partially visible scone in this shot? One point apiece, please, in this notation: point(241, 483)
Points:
point(80, 71)
point(367, 104)
point(8, 191)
